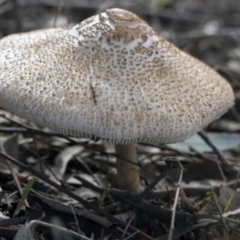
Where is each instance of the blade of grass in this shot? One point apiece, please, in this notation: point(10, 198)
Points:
point(26, 191)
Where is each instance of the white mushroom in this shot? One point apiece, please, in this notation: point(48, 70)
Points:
point(112, 77)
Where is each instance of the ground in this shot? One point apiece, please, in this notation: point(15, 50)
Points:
point(64, 188)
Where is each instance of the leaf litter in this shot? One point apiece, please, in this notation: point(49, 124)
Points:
point(208, 197)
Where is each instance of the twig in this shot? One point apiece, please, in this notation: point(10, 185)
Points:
point(74, 196)
point(34, 223)
point(232, 195)
point(59, 10)
point(130, 236)
point(156, 180)
point(88, 169)
point(75, 218)
point(15, 177)
point(153, 210)
point(209, 159)
point(225, 216)
point(170, 236)
point(220, 155)
point(126, 228)
point(219, 210)
point(54, 175)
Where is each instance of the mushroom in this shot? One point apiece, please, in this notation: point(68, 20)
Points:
point(110, 77)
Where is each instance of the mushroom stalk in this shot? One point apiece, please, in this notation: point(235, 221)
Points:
point(127, 171)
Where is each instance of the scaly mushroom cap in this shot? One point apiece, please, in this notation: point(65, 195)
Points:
point(113, 77)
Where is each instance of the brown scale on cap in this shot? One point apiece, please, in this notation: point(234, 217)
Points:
point(113, 77)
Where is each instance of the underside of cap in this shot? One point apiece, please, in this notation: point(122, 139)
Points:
point(110, 77)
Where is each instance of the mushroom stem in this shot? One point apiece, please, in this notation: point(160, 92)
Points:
point(127, 171)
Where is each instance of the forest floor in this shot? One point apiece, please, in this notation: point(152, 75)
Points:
point(202, 191)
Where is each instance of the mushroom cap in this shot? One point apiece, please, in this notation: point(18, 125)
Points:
point(113, 77)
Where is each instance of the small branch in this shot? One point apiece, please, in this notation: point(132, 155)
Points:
point(220, 155)
point(156, 180)
point(170, 236)
point(211, 160)
point(75, 218)
point(34, 223)
point(59, 11)
point(126, 228)
point(154, 210)
point(74, 196)
point(15, 178)
point(219, 210)
point(88, 169)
